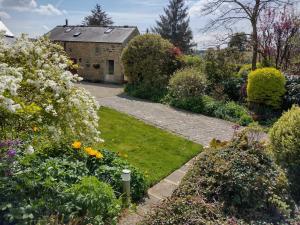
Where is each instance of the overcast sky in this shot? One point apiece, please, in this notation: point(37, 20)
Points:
point(36, 17)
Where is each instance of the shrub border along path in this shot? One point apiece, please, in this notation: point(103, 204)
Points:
point(198, 128)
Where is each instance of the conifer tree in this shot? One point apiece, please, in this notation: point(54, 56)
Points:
point(174, 25)
point(98, 18)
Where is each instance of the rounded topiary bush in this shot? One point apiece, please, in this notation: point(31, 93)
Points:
point(266, 87)
point(285, 141)
point(149, 61)
point(185, 89)
point(240, 175)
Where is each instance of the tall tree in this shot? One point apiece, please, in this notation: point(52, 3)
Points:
point(239, 41)
point(174, 25)
point(229, 12)
point(98, 18)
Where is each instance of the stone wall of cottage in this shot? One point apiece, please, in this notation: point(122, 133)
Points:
point(93, 59)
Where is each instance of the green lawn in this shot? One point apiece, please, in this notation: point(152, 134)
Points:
point(154, 151)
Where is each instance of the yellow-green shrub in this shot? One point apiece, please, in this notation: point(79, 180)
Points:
point(285, 141)
point(266, 87)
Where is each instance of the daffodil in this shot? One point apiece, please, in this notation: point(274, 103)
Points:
point(76, 144)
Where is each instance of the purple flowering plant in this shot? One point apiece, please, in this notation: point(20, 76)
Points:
point(9, 150)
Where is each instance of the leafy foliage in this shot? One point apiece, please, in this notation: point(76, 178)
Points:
point(239, 41)
point(230, 183)
point(246, 70)
point(241, 175)
point(174, 25)
point(98, 18)
point(149, 61)
point(94, 200)
point(110, 172)
point(53, 174)
point(266, 87)
point(189, 211)
point(285, 140)
point(229, 111)
point(221, 64)
point(186, 86)
point(292, 95)
point(233, 88)
point(193, 61)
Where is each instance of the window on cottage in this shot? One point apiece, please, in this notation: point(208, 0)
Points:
point(111, 67)
point(97, 50)
point(96, 66)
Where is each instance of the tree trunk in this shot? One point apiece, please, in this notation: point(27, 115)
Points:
point(255, 45)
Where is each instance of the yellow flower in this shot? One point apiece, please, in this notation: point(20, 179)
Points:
point(88, 150)
point(99, 155)
point(93, 152)
point(76, 145)
point(35, 129)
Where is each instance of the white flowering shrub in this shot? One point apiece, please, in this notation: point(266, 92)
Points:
point(37, 92)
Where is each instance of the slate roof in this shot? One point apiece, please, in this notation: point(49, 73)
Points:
point(4, 29)
point(92, 34)
point(9, 40)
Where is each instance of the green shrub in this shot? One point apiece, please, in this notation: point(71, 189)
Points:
point(186, 88)
point(240, 175)
point(191, 210)
point(292, 96)
point(149, 61)
point(193, 61)
point(94, 200)
point(110, 172)
point(51, 175)
point(18, 190)
point(246, 69)
point(235, 182)
point(266, 87)
point(219, 66)
point(228, 111)
point(285, 141)
point(233, 88)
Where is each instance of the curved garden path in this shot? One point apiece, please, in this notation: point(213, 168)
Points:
point(198, 128)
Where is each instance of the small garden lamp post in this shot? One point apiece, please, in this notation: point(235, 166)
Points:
point(126, 186)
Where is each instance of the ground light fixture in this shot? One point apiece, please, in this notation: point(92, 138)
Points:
point(126, 177)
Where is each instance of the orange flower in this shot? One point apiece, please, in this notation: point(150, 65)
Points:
point(76, 144)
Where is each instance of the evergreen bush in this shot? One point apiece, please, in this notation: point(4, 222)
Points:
point(266, 87)
point(149, 61)
point(285, 141)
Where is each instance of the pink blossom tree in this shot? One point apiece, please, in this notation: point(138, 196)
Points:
point(278, 30)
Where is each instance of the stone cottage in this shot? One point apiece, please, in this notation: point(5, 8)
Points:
point(97, 50)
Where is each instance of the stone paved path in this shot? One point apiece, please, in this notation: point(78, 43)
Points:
point(198, 128)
